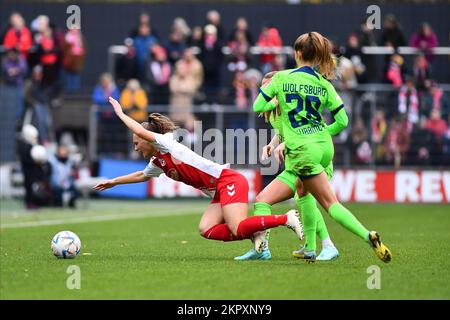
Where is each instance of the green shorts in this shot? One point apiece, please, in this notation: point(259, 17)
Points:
point(288, 178)
point(311, 158)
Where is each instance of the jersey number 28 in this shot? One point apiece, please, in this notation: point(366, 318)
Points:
point(312, 115)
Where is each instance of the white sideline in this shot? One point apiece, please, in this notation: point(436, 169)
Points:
point(124, 216)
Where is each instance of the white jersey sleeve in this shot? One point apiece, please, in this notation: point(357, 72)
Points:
point(151, 170)
point(164, 142)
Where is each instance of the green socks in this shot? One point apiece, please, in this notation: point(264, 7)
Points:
point(263, 209)
point(307, 206)
point(346, 219)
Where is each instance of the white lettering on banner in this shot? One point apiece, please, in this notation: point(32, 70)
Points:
point(431, 186)
point(365, 186)
point(446, 184)
point(349, 185)
point(406, 186)
point(342, 184)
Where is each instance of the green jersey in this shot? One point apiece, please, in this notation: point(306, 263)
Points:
point(302, 94)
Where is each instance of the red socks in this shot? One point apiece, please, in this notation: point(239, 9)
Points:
point(254, 224)
point(246, 228)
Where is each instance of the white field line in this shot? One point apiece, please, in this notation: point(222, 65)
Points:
point(93, 218)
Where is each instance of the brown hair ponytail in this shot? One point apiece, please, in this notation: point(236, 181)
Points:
point(315, 48)
point(159, 124)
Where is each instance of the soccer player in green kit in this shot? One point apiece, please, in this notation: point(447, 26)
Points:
point(303, 94)
point(284, 187)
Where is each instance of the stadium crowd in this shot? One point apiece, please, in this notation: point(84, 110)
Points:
point(410, 125)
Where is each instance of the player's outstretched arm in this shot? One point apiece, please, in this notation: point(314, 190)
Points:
point(262, 105)
point(131, 123)
point(129, 178)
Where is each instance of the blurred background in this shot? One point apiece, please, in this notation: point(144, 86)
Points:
point(203, 61)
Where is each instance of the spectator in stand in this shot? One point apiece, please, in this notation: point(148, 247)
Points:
point(13, 72)
point(424, 145)
point(358, 138)
point(175, 46)
point(437, 125)
point(367, 39)
point(435, 99)
point(240, 58)
point(421, 72)
point(38, 26)
point(269, 39)
point(180, 26)
point(63, 174)
point(425, 39)
point(246, 88)
point(103, 90)
point(253, 79)
point(193, 66)
point(18, 36)
point(126, 64)
point(143, 43)
point(378, 129)
point(345, 85)
point(35, 168)
point(48, 54)
point(408, 102)
point(28, 138)
point(74, 51)
point(38, 97)
point(396, 72)
point(158, 71)
point(240, 89)
point(144, 19)
point(241, 27)
point(398, 142)
point(134, 101)
point(196, 38)
point(213, 18)
point(211, 57)
point(186, 80)
point(182, 90)
point(354, 54)
point(392, 34)
point(111, 133)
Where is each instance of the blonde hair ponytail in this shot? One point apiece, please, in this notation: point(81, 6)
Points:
point(315, 48)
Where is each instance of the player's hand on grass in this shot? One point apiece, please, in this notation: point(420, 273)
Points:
point(279, 152)
point(116, 105)
point(266, 152)
point(104, 185)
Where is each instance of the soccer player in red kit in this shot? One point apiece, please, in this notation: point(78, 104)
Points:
point(226, 217)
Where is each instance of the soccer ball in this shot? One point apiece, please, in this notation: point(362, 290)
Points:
point(66, 244)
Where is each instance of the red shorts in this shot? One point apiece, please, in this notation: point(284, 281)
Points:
point(232, 187)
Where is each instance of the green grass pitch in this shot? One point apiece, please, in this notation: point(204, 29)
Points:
point(152, 250)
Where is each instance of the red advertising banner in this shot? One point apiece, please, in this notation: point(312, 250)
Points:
point(403, 186)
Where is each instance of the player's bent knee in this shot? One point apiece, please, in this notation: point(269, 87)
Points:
point(202, 229)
